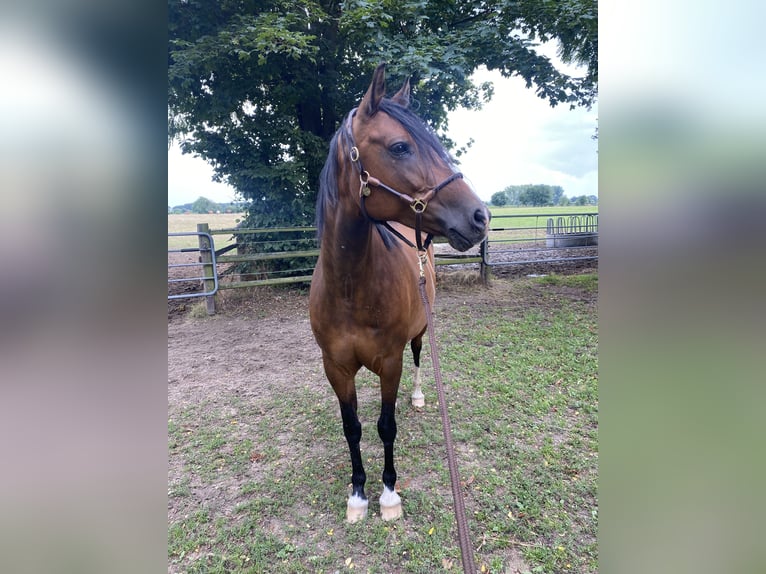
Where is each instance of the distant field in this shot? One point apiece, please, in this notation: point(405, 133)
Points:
point(547, 211)
point(188, 222)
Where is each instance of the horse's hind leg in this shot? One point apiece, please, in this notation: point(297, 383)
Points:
point(418, 398)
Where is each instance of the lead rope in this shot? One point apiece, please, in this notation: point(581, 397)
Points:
point(466, 549)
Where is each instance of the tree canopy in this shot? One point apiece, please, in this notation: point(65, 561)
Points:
point(529, 194)
point(257, 88)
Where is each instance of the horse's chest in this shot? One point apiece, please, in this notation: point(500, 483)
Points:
point(356, 308)
point(368, 316)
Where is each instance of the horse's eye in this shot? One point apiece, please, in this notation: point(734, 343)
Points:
point(399, 149)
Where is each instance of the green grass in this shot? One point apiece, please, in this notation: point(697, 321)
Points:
point(520, 369)
point(586, 281)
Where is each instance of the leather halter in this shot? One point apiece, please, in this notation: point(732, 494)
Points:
point(418, 205)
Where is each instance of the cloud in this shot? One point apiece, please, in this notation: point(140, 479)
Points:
point(519, 138)
point(568, 145)
point(190, 177)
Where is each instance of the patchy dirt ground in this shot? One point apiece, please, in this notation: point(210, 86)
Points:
point(257, 335)
point(260, 343)
point(261, 336)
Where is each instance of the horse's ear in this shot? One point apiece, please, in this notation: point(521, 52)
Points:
point(402, 97)
point(376, 91)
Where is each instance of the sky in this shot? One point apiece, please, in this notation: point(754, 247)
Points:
point(518, 139)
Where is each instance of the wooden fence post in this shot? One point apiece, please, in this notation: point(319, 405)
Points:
point(206, 258)
point(483, 267)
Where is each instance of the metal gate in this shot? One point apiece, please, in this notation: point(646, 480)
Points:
point(201, 273)
point(541, 239)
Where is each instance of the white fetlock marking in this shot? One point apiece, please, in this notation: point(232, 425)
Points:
point(418, 398)
point(390, 505)
point(356, 508)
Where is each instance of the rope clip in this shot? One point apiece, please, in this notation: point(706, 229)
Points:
point(364, 189)
point(422, 260)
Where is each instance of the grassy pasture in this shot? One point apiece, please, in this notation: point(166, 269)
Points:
point(520, 368)
point(181, 222)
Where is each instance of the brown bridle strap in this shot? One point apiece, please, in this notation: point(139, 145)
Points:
point(418, 205)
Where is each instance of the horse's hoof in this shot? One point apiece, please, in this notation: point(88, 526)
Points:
point(418, 400)
point(356, 510)
point(390, 505)
point(388, 513)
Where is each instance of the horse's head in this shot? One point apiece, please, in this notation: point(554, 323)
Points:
point(407, 170)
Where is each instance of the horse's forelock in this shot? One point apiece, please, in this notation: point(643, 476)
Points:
point(425, 138)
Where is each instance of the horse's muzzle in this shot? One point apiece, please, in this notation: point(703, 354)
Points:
point(463, 237)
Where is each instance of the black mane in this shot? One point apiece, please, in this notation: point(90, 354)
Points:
point(424, 137)
point(327, 197)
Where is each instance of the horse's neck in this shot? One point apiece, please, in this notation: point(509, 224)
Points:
point(347, 243)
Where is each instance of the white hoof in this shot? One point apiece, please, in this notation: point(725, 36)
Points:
point(389, 513)
point(356, 509)
point(418, 399)
point(390, 505)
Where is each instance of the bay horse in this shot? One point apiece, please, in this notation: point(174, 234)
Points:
point(386, 176)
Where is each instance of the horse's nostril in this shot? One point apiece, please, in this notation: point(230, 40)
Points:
point(480, 216)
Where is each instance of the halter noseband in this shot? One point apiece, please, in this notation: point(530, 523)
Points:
point(418, 205)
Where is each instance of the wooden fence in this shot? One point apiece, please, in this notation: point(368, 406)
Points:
point(257, 251)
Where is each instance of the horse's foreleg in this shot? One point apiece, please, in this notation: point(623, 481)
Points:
point(418, 398)
point(356, 508)
point(390, 503)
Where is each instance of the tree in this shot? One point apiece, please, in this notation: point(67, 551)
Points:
point(557, 192)
point(204, 205)
point(499, 199)
point(512, 194)
point(536, 195)
point(258, 88)
point(530, 194)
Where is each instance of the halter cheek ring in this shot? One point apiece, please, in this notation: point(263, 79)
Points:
point(418, 206)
